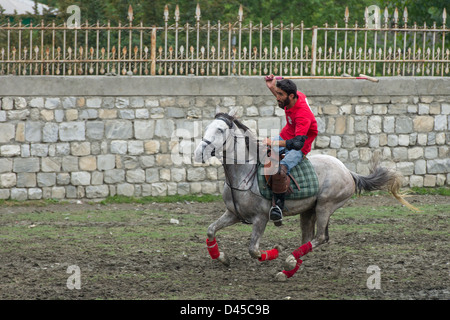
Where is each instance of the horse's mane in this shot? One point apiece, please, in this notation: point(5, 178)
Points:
point(238, 124)
point(249, 135)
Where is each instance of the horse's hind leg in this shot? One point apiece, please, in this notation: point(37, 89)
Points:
point(307, 224)
point(293, 262)
point(227, 219)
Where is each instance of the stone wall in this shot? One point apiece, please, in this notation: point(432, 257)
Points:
point(91, 137)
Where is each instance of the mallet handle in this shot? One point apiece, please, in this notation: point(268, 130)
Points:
point(361, 77)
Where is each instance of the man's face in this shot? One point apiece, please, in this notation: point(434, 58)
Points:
point(282, 98)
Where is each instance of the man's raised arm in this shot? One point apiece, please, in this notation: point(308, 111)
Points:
point(271, 83)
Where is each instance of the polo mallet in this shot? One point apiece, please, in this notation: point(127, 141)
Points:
point(344, 76)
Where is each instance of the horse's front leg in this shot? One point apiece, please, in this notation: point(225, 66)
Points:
point(227, 219)
point(259, 226)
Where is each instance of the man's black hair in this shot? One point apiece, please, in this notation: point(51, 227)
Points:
point(288, 86)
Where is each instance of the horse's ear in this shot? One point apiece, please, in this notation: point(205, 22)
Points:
point(235, 112)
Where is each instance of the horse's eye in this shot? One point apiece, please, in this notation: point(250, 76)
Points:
point(220, 130)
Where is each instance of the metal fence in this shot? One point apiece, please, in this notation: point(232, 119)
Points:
point(386, 45)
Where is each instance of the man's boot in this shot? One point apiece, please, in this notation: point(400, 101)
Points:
point(280, 185)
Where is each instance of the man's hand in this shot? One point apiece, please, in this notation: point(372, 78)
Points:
point(271, 81)
point(267, 142)
point(274, 143)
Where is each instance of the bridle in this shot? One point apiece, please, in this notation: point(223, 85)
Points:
point(230, 126)
point(227, 174)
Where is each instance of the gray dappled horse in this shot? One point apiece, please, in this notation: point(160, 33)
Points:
point(239, 151)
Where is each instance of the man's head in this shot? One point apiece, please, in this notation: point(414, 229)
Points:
point(286, 92)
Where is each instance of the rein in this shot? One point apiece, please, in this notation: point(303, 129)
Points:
point(250, 176)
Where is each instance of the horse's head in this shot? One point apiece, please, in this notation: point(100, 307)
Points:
point(215, 138)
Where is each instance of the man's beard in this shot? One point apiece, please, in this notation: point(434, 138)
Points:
point(283, 104)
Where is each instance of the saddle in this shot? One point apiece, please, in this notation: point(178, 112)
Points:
point(303, 179)
point(269, 169)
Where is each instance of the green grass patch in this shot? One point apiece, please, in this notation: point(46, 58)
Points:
point(442, 191)
point(388, 212)
point(164, 199)
point(30, 203)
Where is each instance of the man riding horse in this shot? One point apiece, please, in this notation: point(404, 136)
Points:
point(295, 138)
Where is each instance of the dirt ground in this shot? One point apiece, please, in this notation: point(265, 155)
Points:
point(412, 265)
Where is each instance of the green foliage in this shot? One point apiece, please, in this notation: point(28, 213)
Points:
point(311, 12)
point(418, 11)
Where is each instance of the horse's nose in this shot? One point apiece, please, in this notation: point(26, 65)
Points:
point(200, 154)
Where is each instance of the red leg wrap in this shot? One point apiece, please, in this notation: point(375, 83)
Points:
point(268, 255)
point(302, 250)
point(213, 248)
point(290, 273)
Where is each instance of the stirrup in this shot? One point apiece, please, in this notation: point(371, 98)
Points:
point(279, 218)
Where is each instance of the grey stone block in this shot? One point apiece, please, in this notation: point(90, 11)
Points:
point(8, 180)
point(135, 147)
point(50, 132)
point(119, 147)
point(72, 131)
point(63, 178)
point(52, 103)
point(374, 124)
point(420, 167)
point(20, 103)
point(389, 124)
point(5, 165)
point(151, 175)
point(80, 178)
point(26, 165)
point(164, 128)
point(46, 179)
point(39, 150)
point(71, 192)
point(440, 123)
point(93, 192)
point(403, 125)
point(33, 131)
point(117, 129)
point(114, 176)
point(144, 130)
point(94, 102)
point(106, 162)
point(173, 112)
point(10, 150)
point(69, 102)
point(159, 189)
point(438, 166)
point(34, 194)
point(196, 174)
point(88, 114)
point(95, 130)
point(70, 164)
point(122, 103)
point(19, 194)
point(58, 192)
point(7, 132)
point(125, 189)
point(36, 103)
point(127, 114)
point(135, 176)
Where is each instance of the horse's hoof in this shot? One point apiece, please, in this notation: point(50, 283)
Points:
point(224, 259)
point(279, 248)
point(290, 262)
point(280, 277)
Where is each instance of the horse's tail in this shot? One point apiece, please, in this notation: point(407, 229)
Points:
point(381, 178)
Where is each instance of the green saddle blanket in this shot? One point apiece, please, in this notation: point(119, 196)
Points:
point(304, 174)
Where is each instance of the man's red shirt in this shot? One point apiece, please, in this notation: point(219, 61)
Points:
point(300, 121)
